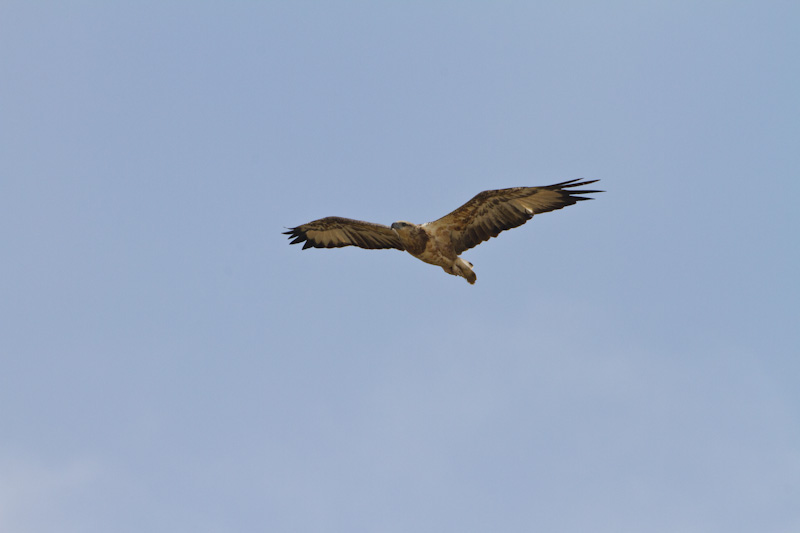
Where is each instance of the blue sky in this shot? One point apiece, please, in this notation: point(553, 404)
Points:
point(170, 363)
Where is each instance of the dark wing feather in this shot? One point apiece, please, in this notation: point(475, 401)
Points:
point(336, 232)
point(491, 212)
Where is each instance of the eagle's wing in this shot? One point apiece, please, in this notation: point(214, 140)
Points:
point(491, 212)
point(335, 232)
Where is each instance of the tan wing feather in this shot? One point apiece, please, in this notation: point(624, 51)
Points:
point(491, 212)
point(336, 232)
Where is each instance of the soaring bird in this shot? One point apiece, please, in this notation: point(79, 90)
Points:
point(442, 241)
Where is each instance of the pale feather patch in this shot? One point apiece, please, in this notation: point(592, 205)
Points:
point(328, 237)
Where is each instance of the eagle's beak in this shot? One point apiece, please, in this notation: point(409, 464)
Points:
point(395, 225)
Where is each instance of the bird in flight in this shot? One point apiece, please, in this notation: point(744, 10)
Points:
point(442, 241)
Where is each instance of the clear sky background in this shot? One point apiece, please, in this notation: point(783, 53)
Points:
point(169, 363)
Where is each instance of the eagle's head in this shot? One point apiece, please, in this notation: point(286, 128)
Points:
point(401, 225)
point(412, 236)
point(404, 229)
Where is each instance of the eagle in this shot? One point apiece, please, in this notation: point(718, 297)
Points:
point(442, 241)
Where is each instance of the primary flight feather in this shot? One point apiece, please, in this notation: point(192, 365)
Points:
point(442, 241)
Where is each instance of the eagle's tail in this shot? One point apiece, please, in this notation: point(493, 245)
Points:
point(471, 277)
point(464, 269)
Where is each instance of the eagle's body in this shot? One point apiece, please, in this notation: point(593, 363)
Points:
point(433, 245)
point(442, 241)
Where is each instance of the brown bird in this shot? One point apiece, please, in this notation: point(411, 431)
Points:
point(442, 241)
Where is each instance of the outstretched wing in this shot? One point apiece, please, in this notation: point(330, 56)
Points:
point(335, 232)
point(491, 212)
